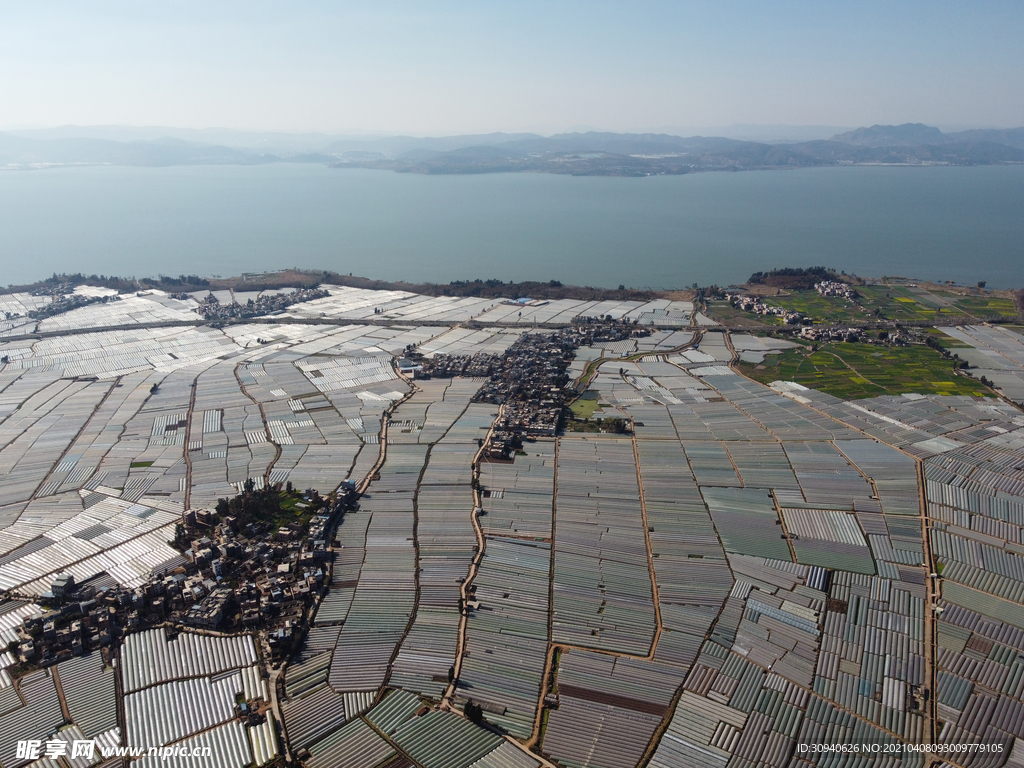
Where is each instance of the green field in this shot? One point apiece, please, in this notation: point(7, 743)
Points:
point(986, 306)
point(853, 371)
point(875, 303)
point(828, 308)
point(897, 303)
point(890, 302)
point(583, 407)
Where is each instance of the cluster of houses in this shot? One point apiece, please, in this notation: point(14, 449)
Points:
point(231, 579)
point(442, 366)
point(65, 303)
point(830, 333)
point(756, 305)
point(835, 288)
point(211, 308)
point(81, 618)
point(822, 333)
point(530, 380)
point(533, 381)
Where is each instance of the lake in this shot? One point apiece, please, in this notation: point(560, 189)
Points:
point(959, 223)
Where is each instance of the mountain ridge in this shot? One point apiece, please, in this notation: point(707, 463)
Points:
point(575, 153)
point(919, 134)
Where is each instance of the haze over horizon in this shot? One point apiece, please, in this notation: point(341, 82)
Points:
point(446, 68)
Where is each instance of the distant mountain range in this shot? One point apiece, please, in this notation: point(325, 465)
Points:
point(17, 151)
point(917, 134)
point(591, 153)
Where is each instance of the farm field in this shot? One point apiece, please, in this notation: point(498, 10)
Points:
point(584, 406)
point(639, 557)
point(853, 371)
point(985, 306)
point(876, 302)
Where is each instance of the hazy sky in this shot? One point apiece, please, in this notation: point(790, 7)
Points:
point(447, 67)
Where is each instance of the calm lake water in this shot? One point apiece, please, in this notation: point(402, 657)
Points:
point(964, 224)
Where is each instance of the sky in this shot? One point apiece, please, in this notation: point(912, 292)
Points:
point(435, 68)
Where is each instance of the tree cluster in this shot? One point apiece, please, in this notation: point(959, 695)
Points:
point(797, 278)
point(709, 293)
point(474, 712)
point(181, 281)
point(258, 506)
point(932, 342)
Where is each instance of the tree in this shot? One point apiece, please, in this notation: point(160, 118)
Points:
point(981, 283)
point(181, 542)
point(474, 712)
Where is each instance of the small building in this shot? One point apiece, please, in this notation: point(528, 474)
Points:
point(63, 585)
point(210, 612)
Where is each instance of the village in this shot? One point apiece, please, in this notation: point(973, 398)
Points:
point(233, 578)
point(211, 307)
point(757, 305)
point(530, 380)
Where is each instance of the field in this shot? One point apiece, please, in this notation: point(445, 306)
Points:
point(986, 306)
point(592, 566)
point(877, 302)
point(829, 308)
point(854, 371)
point(583, 407)
point(887, 302)
point(736, 319)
